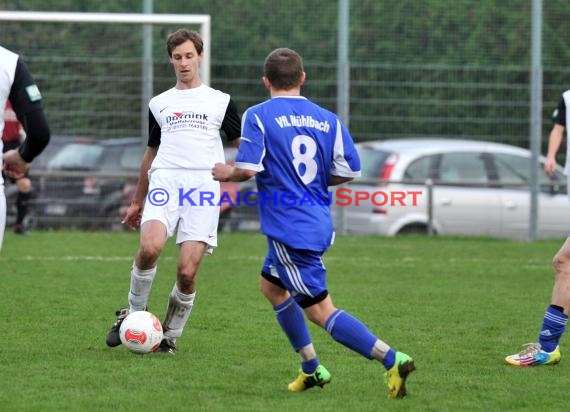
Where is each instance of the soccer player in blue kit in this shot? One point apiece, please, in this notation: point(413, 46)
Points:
point(546, 349)
point(296, 150)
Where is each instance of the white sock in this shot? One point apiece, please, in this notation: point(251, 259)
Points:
point(307, 353)
point(177, 313)
point(141, 283)
point(380, 350)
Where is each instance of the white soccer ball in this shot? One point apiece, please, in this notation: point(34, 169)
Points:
point(141, 332)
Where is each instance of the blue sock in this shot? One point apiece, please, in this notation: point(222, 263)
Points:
point(290, 317)
point(390, 359)
point(310, 366)
point(553, 326)
point(351, 333)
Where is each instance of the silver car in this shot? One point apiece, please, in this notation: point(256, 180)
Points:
point(479, 189)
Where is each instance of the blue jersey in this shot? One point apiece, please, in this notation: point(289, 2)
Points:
point(295, 146)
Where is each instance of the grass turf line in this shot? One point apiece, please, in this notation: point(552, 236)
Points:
point(458, 306)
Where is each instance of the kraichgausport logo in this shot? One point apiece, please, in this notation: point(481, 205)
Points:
point(341, 197)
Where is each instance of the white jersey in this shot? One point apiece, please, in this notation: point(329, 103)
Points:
point(190, 122)
point(8, 61)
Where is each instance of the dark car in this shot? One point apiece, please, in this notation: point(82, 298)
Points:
point(90, 183)
point(38, 165)
point(83, 183)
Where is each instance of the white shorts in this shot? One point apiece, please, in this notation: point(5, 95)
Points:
point(187, 198)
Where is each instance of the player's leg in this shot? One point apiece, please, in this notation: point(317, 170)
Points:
point(546, 350)
point(352, 333)
point(152, 240)
point(158, 223)
point(22, 203)
point(275, 283)
point(292, 321)
point(197, 236)
point(181, 298)
point(349, 331)
point(308, 275)
point(308, 278)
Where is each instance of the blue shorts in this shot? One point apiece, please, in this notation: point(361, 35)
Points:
point(299, 271)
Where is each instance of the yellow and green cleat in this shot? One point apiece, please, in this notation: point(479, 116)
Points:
point(396, 376)
point(320, 377)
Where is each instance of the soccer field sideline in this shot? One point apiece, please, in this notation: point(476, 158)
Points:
point(405, 259)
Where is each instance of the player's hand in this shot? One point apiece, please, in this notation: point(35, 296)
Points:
point(222, 172)
point(549, 166)
point(133, 216)
point(14, 166)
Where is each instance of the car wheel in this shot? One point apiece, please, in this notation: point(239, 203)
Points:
point(414, 229)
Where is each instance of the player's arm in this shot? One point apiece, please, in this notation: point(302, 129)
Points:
point(26, 102)
point(142, 185)
point(346, 161)
point(251, 147)
point(134, 213)
point(338, 180)
point(554, 142)
point(556, 136)
point(231, 125)
point(226, 173)
point(154, 136)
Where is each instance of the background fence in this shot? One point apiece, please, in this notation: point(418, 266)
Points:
point(432, 67)
point(417, 68)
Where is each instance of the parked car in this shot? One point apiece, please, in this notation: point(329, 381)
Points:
point(37, 167)
point(89, 183)
point(56, 142)
point(480, 188)
point(84, 183)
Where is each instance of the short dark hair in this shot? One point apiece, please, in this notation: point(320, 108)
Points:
point(283, 68)
point(182, 35)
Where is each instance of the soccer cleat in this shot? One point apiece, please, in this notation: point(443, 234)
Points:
point(320, 377)
point(396, 376)
point(167, 346)
point(533, 355)
point(113, 337)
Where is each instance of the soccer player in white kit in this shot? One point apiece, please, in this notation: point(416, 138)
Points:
point(18, 86)
point(175, 185)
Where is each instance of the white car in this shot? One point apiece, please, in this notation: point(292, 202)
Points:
point(479, 189)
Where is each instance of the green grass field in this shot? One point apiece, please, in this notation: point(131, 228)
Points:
point(458, 306)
